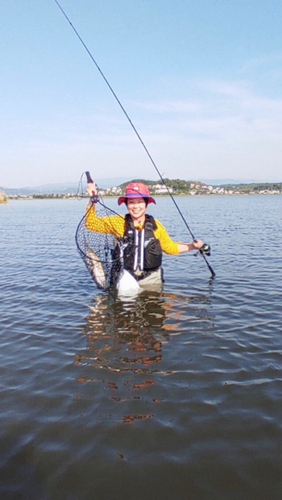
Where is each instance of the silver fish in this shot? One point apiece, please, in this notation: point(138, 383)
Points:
point(95, 267)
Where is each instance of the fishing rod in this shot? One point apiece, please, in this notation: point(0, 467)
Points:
point(205, 249)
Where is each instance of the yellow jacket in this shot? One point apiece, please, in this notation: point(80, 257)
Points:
point(114, 224)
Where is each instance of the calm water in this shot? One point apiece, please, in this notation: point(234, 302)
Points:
point(174, 396)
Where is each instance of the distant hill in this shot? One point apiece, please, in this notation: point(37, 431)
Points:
point(62, 188)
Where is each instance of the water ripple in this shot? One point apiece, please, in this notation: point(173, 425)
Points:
point(173, 395)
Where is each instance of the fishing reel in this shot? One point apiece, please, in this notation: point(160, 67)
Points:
point(206, 249)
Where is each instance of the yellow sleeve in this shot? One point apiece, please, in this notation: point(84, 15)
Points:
point(168, 246)
point(113, 224)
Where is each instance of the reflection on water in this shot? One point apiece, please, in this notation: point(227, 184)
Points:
point(133, 331)
point(127, 339)
point(129, 335)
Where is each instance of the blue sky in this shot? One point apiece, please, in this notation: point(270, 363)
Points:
point(200, 79)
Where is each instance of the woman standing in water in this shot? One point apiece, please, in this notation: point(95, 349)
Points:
point(146, 237)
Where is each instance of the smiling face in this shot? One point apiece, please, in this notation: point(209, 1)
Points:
point(136, 208)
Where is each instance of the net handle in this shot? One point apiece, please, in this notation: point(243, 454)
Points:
point(88, 177)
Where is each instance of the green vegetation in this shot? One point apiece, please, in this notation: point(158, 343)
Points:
point(180, 186)
point(246, 188)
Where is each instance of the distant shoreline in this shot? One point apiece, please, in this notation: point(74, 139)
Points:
point(74, 197)
point(175, 187)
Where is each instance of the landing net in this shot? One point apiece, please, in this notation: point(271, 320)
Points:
point(100, 243)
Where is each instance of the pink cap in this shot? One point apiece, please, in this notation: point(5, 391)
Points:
point(136, 190)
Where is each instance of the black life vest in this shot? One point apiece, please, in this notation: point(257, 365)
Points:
point(143, 250)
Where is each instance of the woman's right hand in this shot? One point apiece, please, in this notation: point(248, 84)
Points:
point(91, 189)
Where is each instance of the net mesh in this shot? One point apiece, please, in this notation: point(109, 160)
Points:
point(99, 240)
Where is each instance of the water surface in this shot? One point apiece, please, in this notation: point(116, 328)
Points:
point(172, 396)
